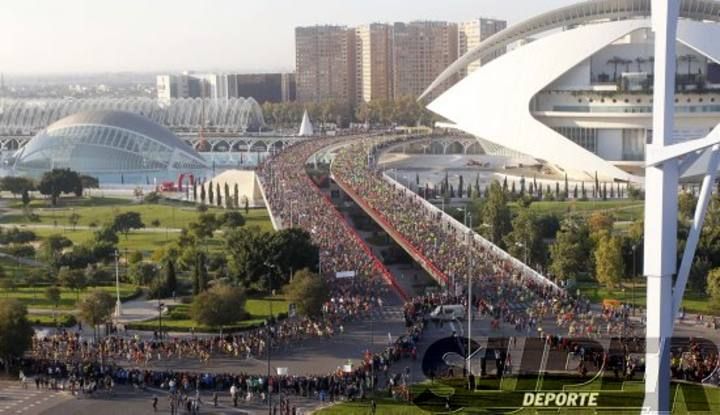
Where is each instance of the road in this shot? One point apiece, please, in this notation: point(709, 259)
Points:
point(14, 399)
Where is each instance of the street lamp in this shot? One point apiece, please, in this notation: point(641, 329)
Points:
point(632, 279)
point(118, 303)
point(160, 310)
point(469, 307)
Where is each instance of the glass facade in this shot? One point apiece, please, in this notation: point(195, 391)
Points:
point(586, 138)
point(130, 144)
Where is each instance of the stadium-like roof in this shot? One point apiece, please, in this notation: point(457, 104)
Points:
point(234, 115)
point(576, 14)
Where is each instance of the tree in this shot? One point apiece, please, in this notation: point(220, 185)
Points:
point(127, 221)
point(228, 201)
point(247, 251)
point(218, 195)
point(107, 234)
point(170, 277)
point(60, 181)
point(211, 193)
point(236, 196)
point(686, 205)
point(525, 241)
point(290, 250)
point(609, 265)
point(96, 308)
point(496, 214)
point(569, 253)
point(72, 279)
point(219, 306)
point(200, 278)
point(15, 331)
point(713, 286)
point(232, 219)
point(52, 247)
point(52, 294)
point(600, 221)
point(246, 204)
point(309, 292)
point(202, 194)
point(142, 273)
point(26, 198)
point(204, 226)
point(89, 182)
point(17, 185)
point(73, 220)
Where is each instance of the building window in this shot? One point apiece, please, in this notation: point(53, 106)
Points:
point(633, 144)
point(584, 137)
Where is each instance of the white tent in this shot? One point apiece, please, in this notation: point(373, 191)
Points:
point(306, 127)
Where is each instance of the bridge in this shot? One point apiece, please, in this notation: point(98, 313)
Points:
point(209, 143)
point(439, 145)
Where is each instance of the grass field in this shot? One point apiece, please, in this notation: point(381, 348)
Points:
point(693, 302)
point(34, 297)
point(492, 397)
point(98, 211)
point(178, 318)
point(622, 210)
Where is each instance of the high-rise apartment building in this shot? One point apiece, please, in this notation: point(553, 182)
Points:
point(421, 51)
point(264, 87)
point(472, 33)
point(373, 62)
point(191, 85)
point(325, 63)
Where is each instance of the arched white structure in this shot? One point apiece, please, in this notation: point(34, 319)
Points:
point(509, 101)
point(234, 115)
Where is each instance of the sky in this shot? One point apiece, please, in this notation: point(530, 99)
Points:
point(88, 36)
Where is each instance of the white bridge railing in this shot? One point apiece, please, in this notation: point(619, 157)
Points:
point(518, 265)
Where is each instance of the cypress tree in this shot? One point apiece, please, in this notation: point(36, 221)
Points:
point(170, 277)
point(211, 193)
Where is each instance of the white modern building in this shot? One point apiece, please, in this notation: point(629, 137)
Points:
point(574, 89)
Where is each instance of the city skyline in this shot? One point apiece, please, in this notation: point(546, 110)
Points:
point(52, 38)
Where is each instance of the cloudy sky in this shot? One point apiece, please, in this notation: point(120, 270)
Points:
point(63, 36)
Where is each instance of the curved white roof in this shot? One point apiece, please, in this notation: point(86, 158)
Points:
point(493, 102)
point(577, 14)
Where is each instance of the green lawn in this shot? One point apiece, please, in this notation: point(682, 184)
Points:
point(622, 210)
point(179, 319)
point(693, 302)
point(146, 241)
point(34, 297)
point(67, 201)
point(99, 211)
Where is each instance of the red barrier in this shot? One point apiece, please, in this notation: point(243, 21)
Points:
point(378, 216)
point(378, 265)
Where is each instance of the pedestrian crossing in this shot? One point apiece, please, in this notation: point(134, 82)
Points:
point(15, 399)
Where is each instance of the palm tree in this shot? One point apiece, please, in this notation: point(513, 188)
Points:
point(615, 61)
point(640, 60)
point(627, 63)
point(689, 58)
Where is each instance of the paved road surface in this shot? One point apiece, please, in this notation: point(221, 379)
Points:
point(14, 399)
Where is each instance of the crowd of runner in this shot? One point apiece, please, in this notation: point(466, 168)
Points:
point(500, 293)
point(69, 346)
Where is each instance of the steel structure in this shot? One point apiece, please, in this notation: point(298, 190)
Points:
point(234, 115)
point(666, 162)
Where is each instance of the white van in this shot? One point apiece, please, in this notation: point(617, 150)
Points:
point(448, 312)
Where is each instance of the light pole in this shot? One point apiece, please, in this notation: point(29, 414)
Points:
point(469, 308)
point(118, 303)
point(160, 308)
point(632, 279)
